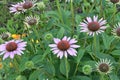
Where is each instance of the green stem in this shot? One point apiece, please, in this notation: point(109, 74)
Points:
point(76, 69)
point(58, 6)
point(95, 42)
point(113, 15)
point(66, 68)
point(72, 11)
point(102, 77)
point(40, 42)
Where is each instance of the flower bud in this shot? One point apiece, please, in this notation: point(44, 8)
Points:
point(41, 5)
point(87, 69)
point(29, 64)
point(48, 37)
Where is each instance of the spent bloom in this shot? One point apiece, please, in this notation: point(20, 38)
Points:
point(116, 30)
point(93, 26)
point(64, 47)
point(31, 20)
point(17, 8)
point(114, 1)
point(104, 66)
point(27, 4)
point(12, 47)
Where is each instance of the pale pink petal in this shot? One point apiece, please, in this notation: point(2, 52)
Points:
point(72, 41)
point(65, 53)
point(56, 40)
point(89, 19)
point(6, 55)
point(64, 38)
point(74, 46)
point(52, 45)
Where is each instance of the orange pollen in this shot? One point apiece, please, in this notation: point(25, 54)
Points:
point(93, 26)
point(11, 46)
point(63, 45)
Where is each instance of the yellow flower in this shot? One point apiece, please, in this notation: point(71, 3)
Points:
point(11, 64)
point(15, 36)
point(1, 65)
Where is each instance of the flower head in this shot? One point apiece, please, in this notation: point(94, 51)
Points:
point(87, 69)
point(27, 4)
point(116, 31)
point(64, 47)
point(114, 1)
point(17, 8)
point(104, 66)
point(31, 20)
point(5, 35)
point(94, 26)
point(11, 48)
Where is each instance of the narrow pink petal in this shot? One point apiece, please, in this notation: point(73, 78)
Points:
point(70, 52)
point(56, 51)
point(2, 47)
point(52, 45)
point(72, 41)
point(64, 38)
point(65, 53)
point(56, 40)
point(61, 54)
point(6, 55)
point(74, 46)
point(12, 55)
point(89, 19)
point(95, 18)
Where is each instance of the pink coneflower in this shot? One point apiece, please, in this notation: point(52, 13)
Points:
point(64, 47)
point(11, 48)
point(28, 3)
point(17, 8)
point(94, 26)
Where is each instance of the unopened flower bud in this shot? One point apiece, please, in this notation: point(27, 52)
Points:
point(87, 69)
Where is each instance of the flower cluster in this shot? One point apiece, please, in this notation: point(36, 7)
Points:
point(22, 6)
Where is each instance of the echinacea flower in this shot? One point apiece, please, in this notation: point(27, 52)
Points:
point(64, 47)
point(93, 26)
point(31, 20)
point(114, 1)
point(116, 30)
point(104, 66)
point(17, 8)
point(11, 48)
point(27, 4)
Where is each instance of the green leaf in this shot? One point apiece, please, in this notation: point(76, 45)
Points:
point(80, 55)
point(116, 52)
point(60, 33)
point(34, 75)
point(107, 40)
point(46, 53)
point(80, 78)
point(64, 67)
point(113, 77)
point(49, 67)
